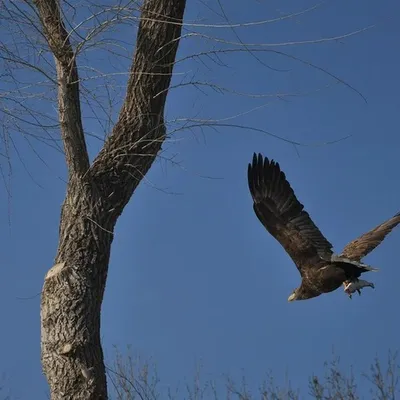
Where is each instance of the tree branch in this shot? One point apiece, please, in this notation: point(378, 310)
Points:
point(68, 87)
point(140, 131)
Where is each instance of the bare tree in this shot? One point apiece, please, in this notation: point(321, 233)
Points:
point(98, 191)
point(72, 356)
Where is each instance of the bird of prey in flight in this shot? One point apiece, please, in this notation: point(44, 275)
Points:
point(284, 217)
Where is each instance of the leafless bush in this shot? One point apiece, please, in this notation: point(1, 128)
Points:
point(134, 379)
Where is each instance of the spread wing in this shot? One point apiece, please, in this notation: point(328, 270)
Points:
point(278, 209)
point(359, 248)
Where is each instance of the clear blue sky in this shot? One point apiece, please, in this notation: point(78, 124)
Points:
point(193, 275)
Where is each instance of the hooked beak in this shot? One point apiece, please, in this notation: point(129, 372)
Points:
point(292, 297)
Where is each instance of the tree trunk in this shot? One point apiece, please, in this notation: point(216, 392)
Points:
point(72, 295)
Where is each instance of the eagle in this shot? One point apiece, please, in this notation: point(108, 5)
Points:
point(284, 217)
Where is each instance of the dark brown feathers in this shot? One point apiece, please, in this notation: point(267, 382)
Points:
point(278, 209)
point(360, 247)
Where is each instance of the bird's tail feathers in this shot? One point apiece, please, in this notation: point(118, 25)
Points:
point(357, 264)
point(366, 267)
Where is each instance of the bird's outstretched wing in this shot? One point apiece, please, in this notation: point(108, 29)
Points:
point(360, 247)
point(278, 209)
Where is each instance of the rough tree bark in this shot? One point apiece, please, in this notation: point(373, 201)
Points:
point(72, 295)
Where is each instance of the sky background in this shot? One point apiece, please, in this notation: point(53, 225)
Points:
point(194, 277)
